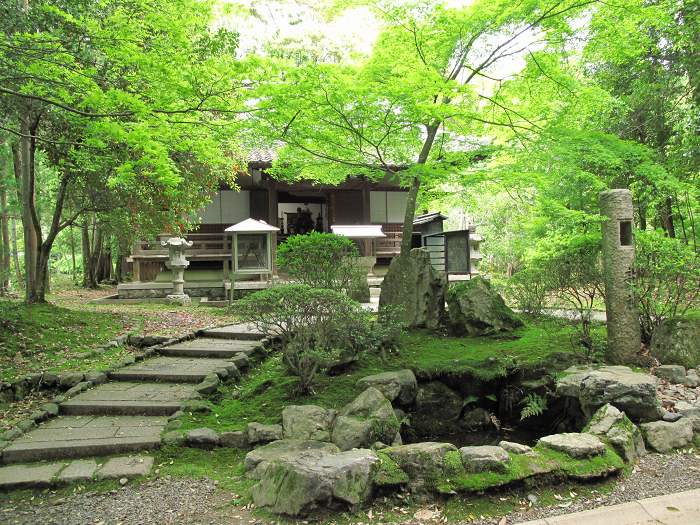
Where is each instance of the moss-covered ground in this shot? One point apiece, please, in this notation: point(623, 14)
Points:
point(266, 389)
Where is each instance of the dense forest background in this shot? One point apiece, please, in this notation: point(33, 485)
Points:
point(118, 119)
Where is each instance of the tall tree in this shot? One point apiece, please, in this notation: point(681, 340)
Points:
point(132, 103)
point(413, 106)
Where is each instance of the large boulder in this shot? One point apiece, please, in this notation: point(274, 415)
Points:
point(438, 407)
point(614, 426)
point(307, 422)
point(287, 449)
point(474, 308)
point(677, 342)
point(412, 284)
point(367, 419)
point(663, 436)
point(423, 462)
point(674, 374)
point(295, 484)
point(629, 391)
point(399, 385)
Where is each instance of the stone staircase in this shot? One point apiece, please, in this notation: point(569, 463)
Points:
point(126, 414)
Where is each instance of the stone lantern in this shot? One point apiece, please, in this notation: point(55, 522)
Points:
point(177, 264)
point(624, 338)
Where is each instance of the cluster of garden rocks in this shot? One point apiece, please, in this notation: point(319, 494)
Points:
point(665, 426)
point(295, 475)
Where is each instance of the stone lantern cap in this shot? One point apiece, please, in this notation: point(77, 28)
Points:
point(251, 226)
point(177, 241)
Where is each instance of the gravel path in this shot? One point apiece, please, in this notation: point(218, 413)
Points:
point(161, 502)
point(199, 502)
point(654, 475)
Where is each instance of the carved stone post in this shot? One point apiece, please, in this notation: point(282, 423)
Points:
point(624, 339)
point(177, 264)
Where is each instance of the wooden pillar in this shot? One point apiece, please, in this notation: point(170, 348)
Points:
point(331, 209)
point(367, 244)
point(137, 270)
point(271, 203)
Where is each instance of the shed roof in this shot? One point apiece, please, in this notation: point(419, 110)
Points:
point(428, 217)
point(360, 231)
point(251, 226)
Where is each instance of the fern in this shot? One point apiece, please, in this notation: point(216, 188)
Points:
point(534, 405)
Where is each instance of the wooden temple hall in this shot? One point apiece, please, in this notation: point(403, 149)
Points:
point(293, 208)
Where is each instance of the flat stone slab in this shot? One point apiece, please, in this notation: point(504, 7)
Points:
point(211, 347)
point(78, 470)
point(29, 476)
point(75, 436)
point(170, 369)
point(241, 331)
point(126, 467)
point(129, 398)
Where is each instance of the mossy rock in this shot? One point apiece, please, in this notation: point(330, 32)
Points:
point(474, 308)
point(389, 474)
point(675, 342)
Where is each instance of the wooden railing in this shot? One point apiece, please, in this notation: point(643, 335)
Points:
point(205, 245)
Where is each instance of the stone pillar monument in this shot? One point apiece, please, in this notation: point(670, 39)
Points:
point(624, 339)
point(177, 264)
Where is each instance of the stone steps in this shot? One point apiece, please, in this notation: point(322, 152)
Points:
point(127, 414)
point(42, 475)
point(242, 332)
point(211, 347)
point(120, 398)
point(74, 437)
point(170, 369)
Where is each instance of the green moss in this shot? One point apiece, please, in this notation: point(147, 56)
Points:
point(267, 388)
point(44, 337)
point(389, 473)
point(592, 467)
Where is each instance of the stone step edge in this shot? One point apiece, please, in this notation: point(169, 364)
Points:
point(36, 453)
point(57, 473)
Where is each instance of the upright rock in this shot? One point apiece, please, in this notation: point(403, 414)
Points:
point(399, 385)
point(307, 422)
point(614, 427)
point(367, 419)
point(417, 288)
point(475, 308)
point(677, 341)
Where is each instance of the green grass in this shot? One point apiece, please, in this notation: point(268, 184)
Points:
point(49, 338)
point(266, 389)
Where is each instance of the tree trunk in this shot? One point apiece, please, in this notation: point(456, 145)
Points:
point(30, 221)
point(15, 252)
point(412, 197)
point(5, 251)
point(667, 217)
point(88, 272)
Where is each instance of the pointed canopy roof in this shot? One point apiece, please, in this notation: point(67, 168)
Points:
point(251, 226)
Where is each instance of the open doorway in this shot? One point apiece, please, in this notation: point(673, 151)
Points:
point(299, 213)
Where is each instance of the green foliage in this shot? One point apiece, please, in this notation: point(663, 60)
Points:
point(319, 327)
point(320, 260)
point(666, 280)
point(533, 405)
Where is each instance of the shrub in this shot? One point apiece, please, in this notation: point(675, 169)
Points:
point(667, 279)
point(528, 291)
point(321, 260)
point(571, 269)
point(318, 328)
